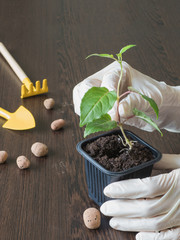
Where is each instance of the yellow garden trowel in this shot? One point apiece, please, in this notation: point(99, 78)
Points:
point(21, 119)
point(27, 89)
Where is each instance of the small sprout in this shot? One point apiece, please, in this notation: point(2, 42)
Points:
point(94, 110)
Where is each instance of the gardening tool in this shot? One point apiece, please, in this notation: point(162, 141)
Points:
point(27, 89)
point(21, 119)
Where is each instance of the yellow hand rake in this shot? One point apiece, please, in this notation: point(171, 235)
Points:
point(27, 89)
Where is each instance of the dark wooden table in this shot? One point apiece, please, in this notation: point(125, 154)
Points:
point(50, 39)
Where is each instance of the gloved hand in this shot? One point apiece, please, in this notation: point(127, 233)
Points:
point(166, 97)
point(147, 205)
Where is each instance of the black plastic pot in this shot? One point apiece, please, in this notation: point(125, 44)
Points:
point(97, 177)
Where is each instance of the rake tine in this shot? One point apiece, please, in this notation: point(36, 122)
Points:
point(30, 87)
point(23, 90)
point(38, 86)
point(44, 85)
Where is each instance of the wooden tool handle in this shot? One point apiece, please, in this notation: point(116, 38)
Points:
point(4, 114)
point(12, 62)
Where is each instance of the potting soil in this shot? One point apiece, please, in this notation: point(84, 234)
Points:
point(109, 152)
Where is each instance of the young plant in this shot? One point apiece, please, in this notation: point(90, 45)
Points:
point(97, 101)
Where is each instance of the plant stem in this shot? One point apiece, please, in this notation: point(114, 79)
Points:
point(118, 97)
point(120, 62)
point(122, 95)
point(129, 143)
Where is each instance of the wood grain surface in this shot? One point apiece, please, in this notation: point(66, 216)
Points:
point(50, 39)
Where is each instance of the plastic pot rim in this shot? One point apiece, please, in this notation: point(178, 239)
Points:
point(157, 155)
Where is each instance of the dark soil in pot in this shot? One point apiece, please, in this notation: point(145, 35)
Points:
point(110, 153)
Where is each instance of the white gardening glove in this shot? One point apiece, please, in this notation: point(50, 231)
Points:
point(166, 97)
point(147, 205)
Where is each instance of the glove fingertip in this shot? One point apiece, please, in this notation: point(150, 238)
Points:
point(112, 223)
point(102, 209)
point(115, 224)
point(106, 191)
point(139, 236)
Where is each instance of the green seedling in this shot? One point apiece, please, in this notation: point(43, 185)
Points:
point(97, 101)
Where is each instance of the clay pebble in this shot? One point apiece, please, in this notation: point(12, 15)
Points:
point(3, 156)
point(49, 103)
point(92, 218)
point(22, 162)
point(39, 149)
point(57, 124)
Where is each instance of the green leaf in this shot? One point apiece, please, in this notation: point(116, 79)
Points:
point(96, 102)
point(124, 49)
point(153, 104)
point(146, 118)
point(101, 55)
point(102, 124)
point(150, 100)
point(119, 57)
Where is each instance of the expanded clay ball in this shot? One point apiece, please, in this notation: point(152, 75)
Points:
point(39, 149)
point(3, 156)
point(92, 218)
point(57, 124)
point(49, 103)
point(23, 162)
